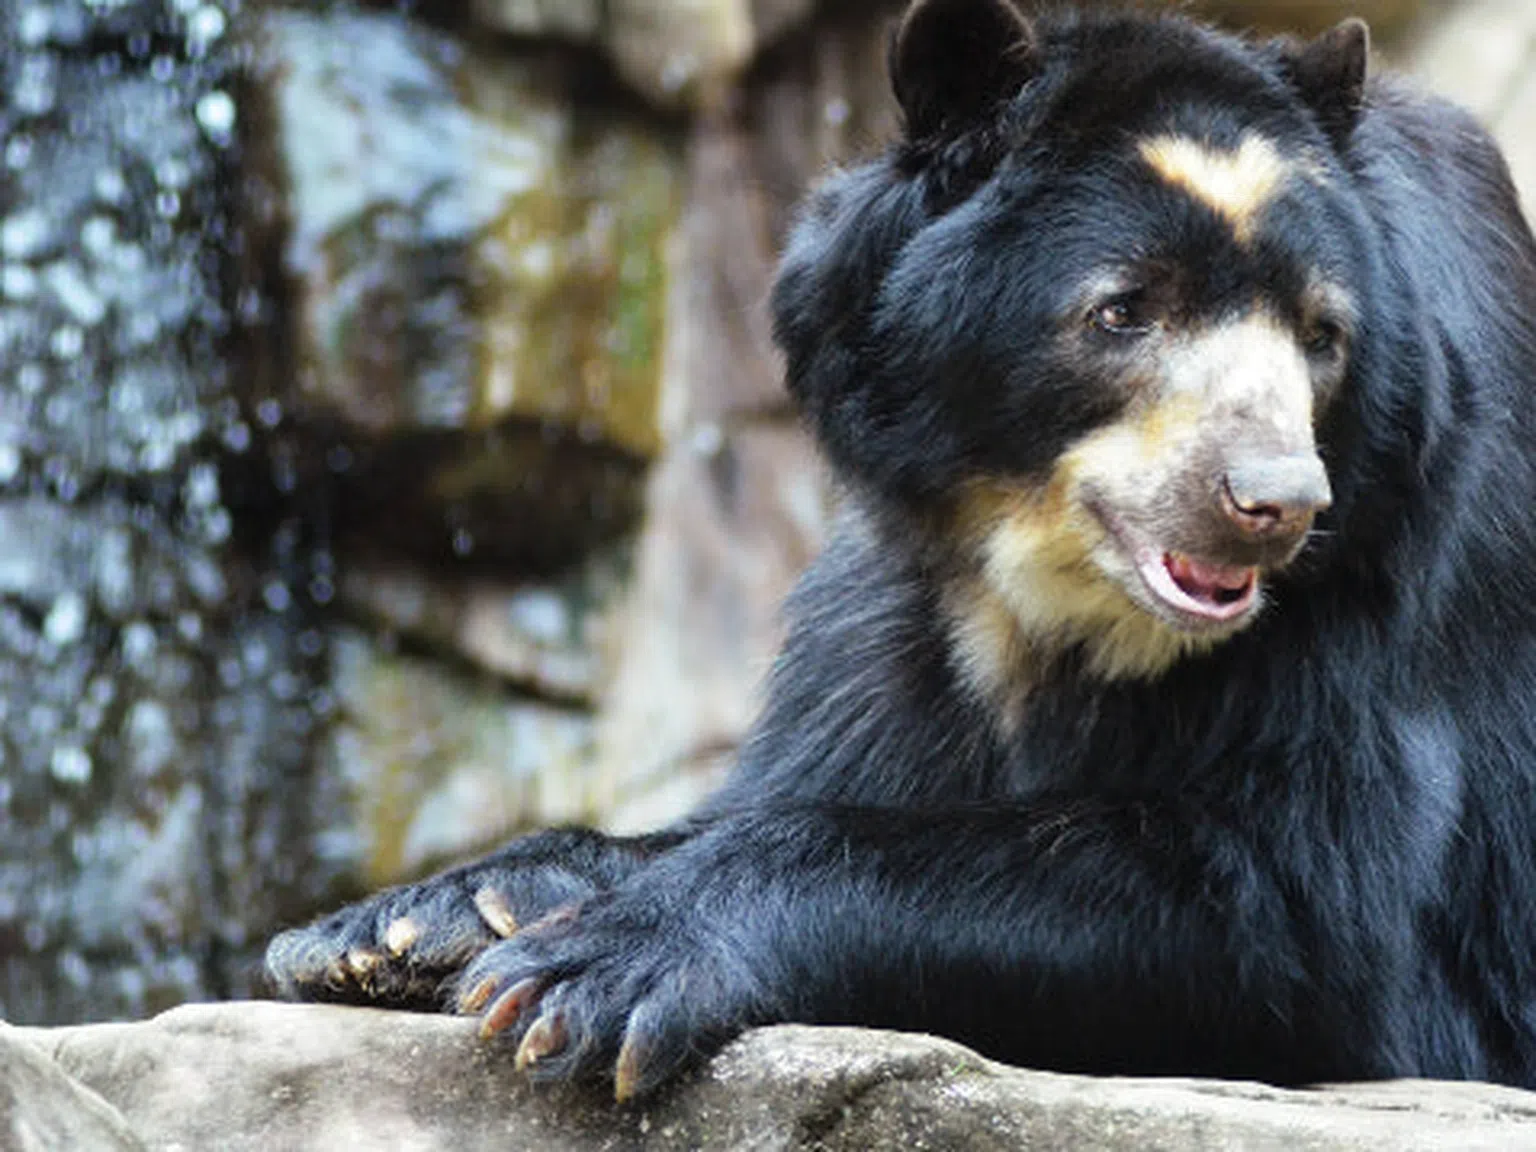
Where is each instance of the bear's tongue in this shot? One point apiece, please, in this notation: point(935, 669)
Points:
point(1216, 584)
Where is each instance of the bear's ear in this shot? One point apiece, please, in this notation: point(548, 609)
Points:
point(951, 60)
point(1329, 74)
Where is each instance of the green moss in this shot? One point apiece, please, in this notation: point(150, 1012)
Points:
point(572, 294)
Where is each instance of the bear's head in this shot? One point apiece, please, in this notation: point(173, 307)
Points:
point(1079, 333)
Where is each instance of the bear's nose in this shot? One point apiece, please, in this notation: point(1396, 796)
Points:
point(1275, 495)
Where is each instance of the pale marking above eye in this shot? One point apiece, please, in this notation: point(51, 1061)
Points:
point(1237, 184)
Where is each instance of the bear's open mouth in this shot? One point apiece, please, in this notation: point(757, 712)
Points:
point(1199, 588)
point(1198, 593)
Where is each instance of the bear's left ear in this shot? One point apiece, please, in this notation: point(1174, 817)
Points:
point(951, 60)
point(1329, 74)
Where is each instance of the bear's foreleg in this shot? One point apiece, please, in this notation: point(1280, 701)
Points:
point(1063, 933)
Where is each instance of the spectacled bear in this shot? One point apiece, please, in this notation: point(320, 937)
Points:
point(1165, 701)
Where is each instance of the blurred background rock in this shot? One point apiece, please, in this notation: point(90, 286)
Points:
point(392, 450)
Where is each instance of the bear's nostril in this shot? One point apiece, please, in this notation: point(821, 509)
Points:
point(1260, 515)
point(1275, 494)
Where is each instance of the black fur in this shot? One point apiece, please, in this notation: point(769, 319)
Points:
point(1309, 855)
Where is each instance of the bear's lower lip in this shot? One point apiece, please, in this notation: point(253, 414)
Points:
point(1196, 594)
point(1198, 589)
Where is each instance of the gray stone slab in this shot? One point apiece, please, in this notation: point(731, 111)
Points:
point(262, 1076)
point(43, 1110)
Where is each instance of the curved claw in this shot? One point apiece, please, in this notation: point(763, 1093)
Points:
point(474, 999)
point(363, 965)
point(493, 909)
point(401, 935)
point(502, 1014)
point(545, 1037)
point(629, 1069)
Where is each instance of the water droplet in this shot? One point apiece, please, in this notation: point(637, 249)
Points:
point(277, 596)
point(157, 455)
point(70, 764)
point(65, 622)
point(190, 626)
point(18, 151)
point(98, 234)
point(31, 377)
point(33, 27)
point(110, 185)
point(18, 282)
point(67, 341)
point(218, 526)
point(204, 27)
point(206, 579)
point(162, 68)
point(216, 114)
point(463, 542)
point(74, 969)
point(269, 412)
point(167, 204)
point(285, 686)
point(248, 305)
point(255, 655)
point(36, 88)
point(151, 739)
point(338, 458)
point(321, 590)
point(75, 293)
point(836, 112)
point(173, 172)
point(143, 328)
point(24, 234)
point(202, 488)
point(237, 437)
point(10, 462)
point(66, 486)
point(139, 643)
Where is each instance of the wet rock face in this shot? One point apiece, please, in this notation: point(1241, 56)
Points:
point(477, 266)
point(110, 160)
point(153, 747)
point(441, 764)
point(678, 53)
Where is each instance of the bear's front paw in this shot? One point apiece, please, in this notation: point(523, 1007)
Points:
point(402, 948)
point(625, 987)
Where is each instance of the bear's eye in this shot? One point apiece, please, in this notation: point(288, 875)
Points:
point(1323, 339)
point(1124, 315)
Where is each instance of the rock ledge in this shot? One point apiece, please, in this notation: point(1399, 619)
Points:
point(257, 1076)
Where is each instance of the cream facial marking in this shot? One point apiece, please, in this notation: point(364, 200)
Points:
point(1079, 557)
point(1236, 184)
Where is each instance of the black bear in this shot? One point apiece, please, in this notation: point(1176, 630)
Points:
point(1166, 699)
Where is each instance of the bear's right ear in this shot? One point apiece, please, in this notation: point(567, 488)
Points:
point(951, 60)
point(1329, 74)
